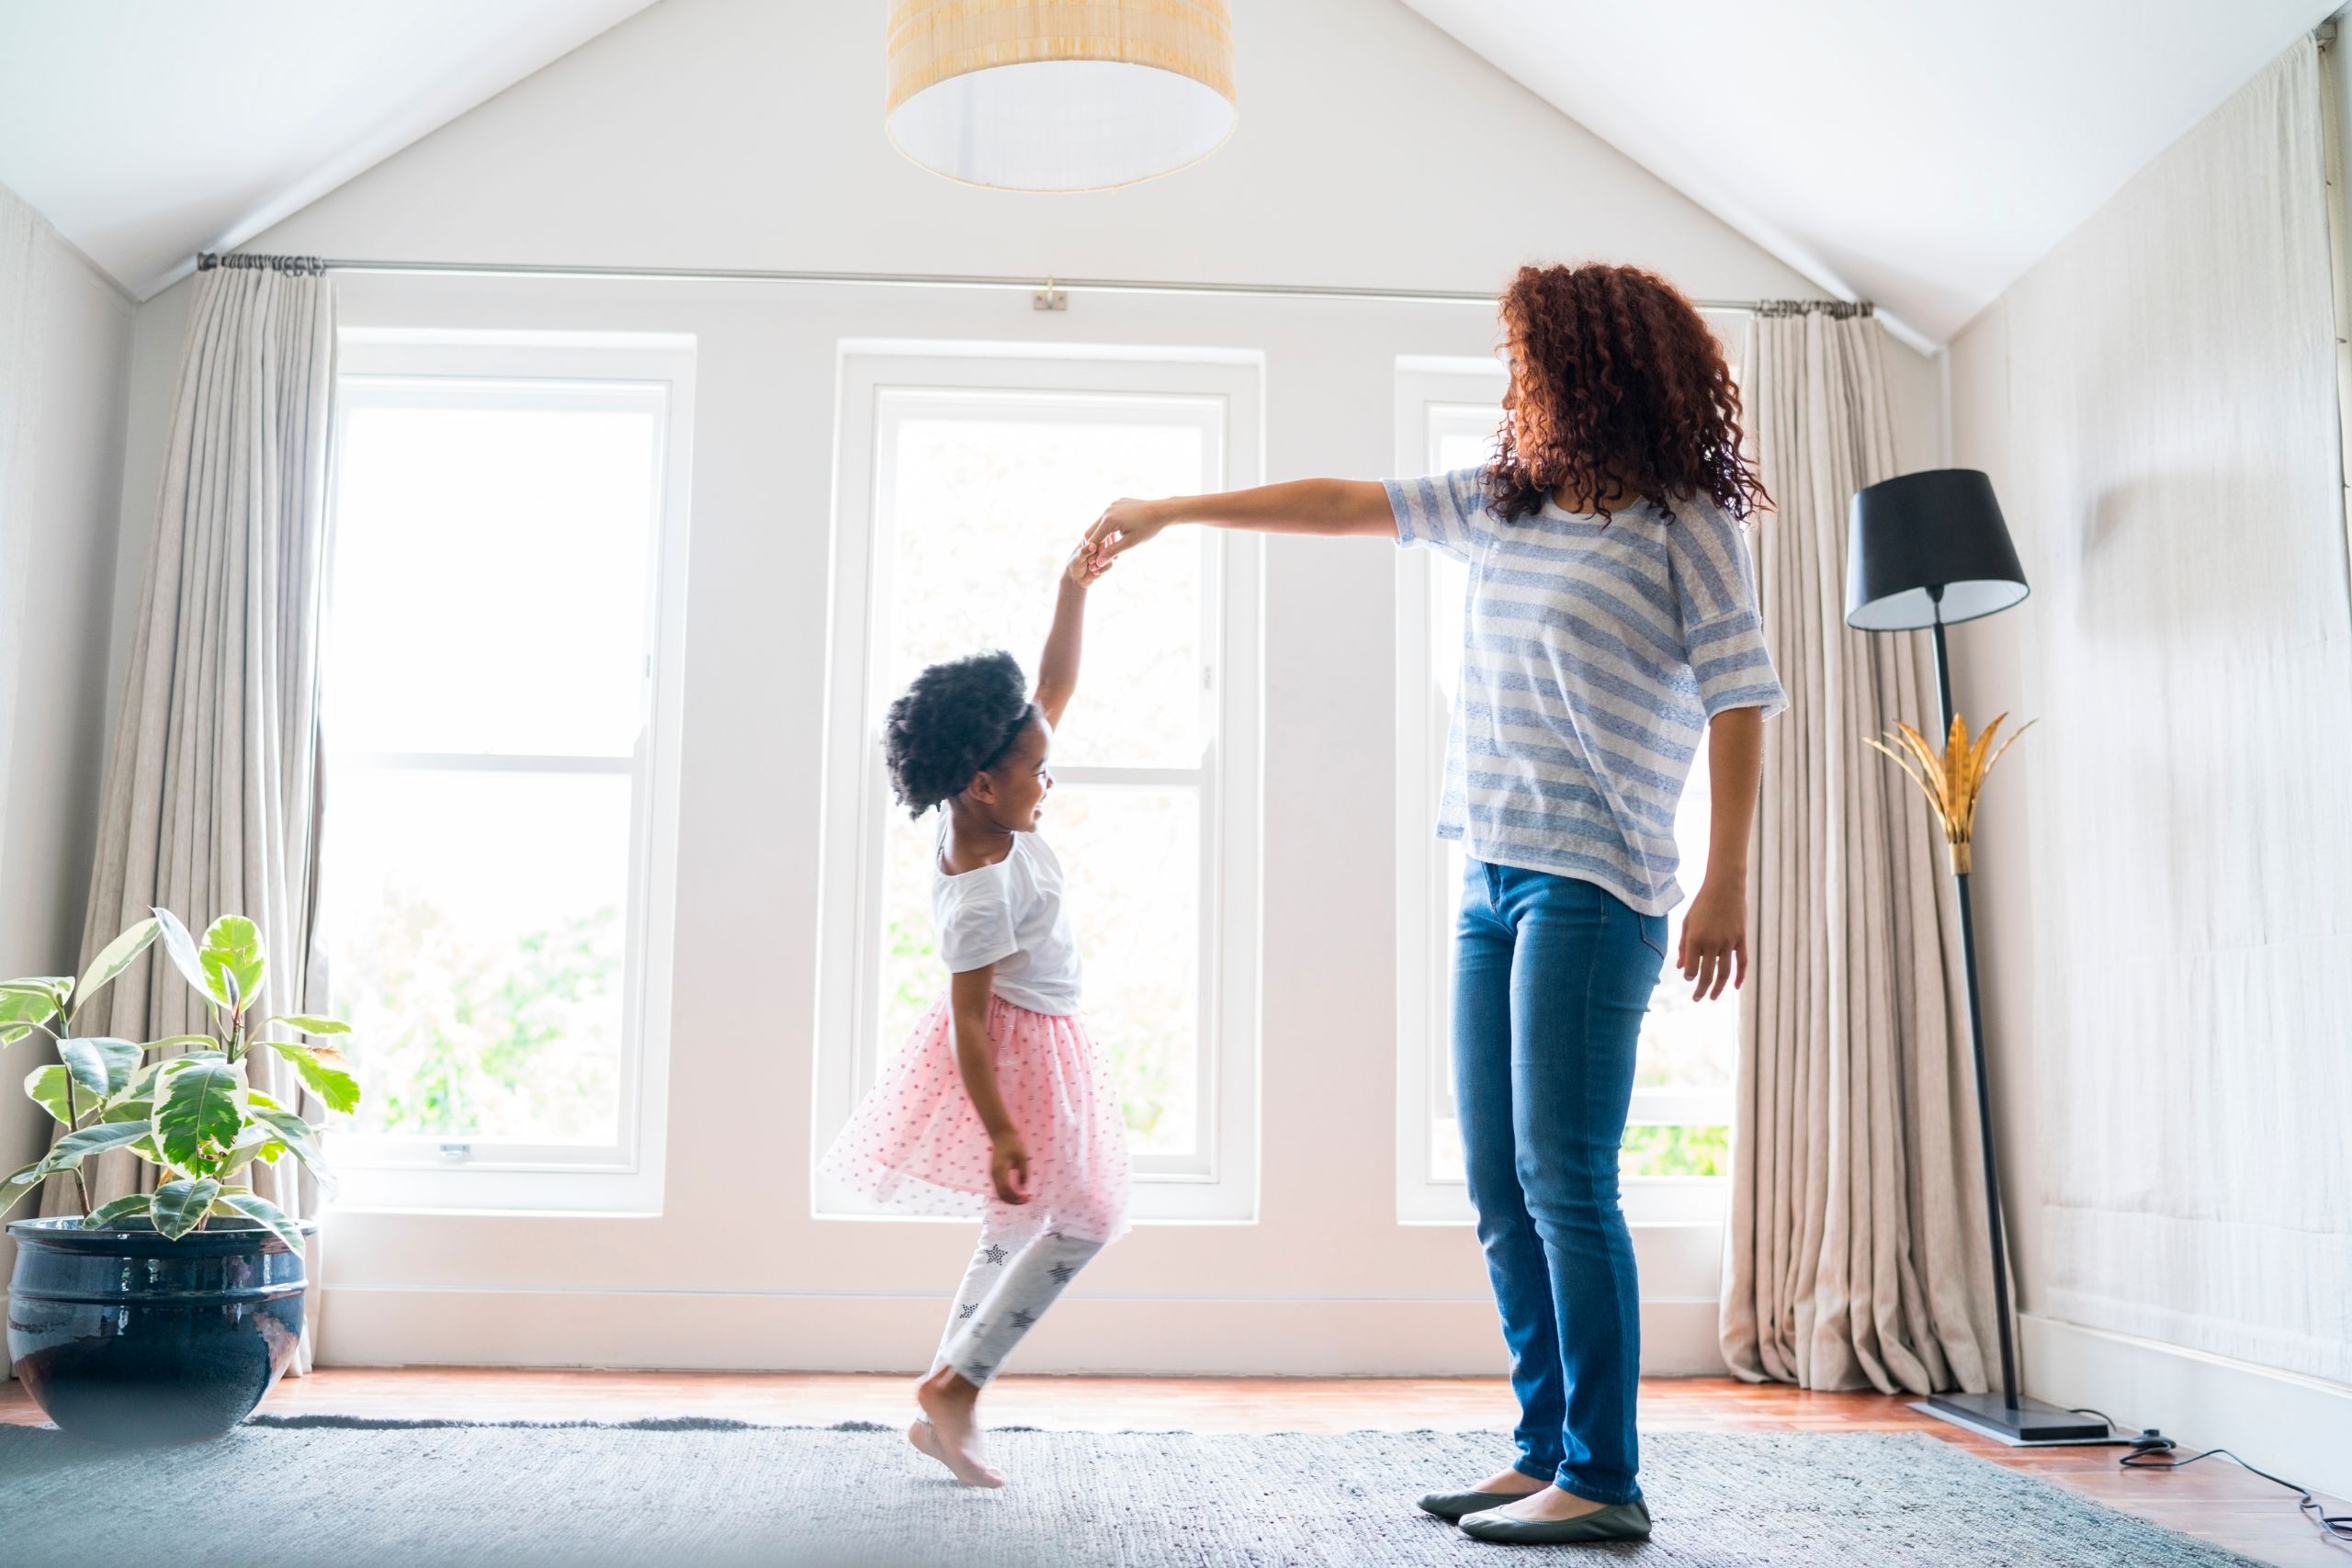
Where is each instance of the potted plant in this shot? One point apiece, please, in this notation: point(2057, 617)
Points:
point(165, 1315)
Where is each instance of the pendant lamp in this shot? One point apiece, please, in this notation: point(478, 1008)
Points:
point(1059, 95)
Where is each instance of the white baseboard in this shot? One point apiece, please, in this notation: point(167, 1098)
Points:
point(361, 1325)
point(2297, 1426)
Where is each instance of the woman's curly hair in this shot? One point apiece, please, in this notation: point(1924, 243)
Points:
point(957, 720)
point(1616, 382)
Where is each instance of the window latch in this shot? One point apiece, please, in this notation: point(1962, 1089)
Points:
point(456, 1154)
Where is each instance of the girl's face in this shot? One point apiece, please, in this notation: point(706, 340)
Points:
point(1012, 794)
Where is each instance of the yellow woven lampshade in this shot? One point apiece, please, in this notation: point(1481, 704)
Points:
point(1059, 95)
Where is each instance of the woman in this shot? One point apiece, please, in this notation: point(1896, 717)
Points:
point(1611, 621)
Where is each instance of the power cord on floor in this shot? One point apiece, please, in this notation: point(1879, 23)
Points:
point(2145, 1447)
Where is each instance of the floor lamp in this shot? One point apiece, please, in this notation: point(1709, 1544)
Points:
point(1925, 551)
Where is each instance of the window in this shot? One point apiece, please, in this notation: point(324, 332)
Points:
point(501, 702)
point(1677, 1154)
point(964, 483)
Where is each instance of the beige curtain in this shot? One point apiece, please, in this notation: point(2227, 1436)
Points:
point(212, 782)
point(1857, 1252)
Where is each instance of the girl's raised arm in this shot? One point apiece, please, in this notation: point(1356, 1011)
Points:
point(1058, 666)
point(1296, 506)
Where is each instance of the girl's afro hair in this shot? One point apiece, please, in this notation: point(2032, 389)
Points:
point(957, 719)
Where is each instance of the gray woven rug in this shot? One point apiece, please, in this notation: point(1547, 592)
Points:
point(313, 1491)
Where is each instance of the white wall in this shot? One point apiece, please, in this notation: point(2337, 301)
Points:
point(2074, 515)
point(58, 500)
point(721, 133)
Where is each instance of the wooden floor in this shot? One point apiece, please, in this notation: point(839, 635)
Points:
point(2215, 1500)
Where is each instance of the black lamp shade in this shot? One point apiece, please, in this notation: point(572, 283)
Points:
point(1940, 529)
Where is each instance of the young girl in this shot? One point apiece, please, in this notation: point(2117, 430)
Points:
point(999, 1105)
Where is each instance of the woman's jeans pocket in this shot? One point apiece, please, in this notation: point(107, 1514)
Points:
point(1652, 930)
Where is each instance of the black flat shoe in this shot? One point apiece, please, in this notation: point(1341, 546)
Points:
point(1452, 1506)
point(1618, 1521)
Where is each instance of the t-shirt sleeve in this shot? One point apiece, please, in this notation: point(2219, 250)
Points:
point(1723, 635)
point(976, 926)
point(1445, 511)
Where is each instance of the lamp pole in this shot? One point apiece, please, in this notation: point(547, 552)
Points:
point(1977, 1039)
point(1936, 541)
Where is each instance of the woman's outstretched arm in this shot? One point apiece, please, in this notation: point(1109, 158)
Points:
point(1298, 506)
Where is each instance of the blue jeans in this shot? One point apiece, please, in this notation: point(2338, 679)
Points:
point(1551, 978)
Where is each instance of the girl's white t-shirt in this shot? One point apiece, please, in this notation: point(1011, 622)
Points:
point(1012, 915)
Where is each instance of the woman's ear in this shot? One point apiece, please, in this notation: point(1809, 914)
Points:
point(982, 788)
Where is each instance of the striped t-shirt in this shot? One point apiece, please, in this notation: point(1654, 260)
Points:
point(1592, 656)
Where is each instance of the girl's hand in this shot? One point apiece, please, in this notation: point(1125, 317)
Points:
point(1715, 941)
point(1009, 1167)
point(1085, 566)
point(1123, 525)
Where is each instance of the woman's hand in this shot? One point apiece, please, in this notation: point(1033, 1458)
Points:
point(1715, 941)
point(1009, 1167)
point(1123, 525)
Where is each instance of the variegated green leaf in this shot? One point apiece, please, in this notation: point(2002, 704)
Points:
point(20, 1182)
point(101, 1067)
point(233, 959)
point(262, 1211)
point(299, 1138)
point(179, 1205)
point(133, 1207)
point(75, 1148)
point(311, 1023)
point(45, 1086)
point(324, 1069)
point(114, 957)
point(200, 1108)
point(142, 1085)
point(184, 957)
point(138, 1107)
point(27, 1004)
point(294, 1129)
point(252, 1139)
point(122, 1058)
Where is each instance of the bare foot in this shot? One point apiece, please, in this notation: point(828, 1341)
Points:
point(1512, 1483)
point(1550, 1502)
point(948, 1432)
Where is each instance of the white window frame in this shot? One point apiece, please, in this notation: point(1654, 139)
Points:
point(884, 381)
point(1434, 397)
point(640, 372)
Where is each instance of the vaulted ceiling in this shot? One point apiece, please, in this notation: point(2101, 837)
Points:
point(147, 130)
point(1918, 152)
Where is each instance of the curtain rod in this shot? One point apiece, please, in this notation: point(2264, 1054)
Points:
point(1041, 292)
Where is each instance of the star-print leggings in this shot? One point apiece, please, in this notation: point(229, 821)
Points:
point(1004, 1293)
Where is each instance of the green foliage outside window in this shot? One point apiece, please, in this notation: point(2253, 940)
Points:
point(1676, 1150)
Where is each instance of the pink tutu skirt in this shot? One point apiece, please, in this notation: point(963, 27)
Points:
point(916, 1147)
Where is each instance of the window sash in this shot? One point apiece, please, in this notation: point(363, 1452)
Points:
point(883, 385)
point(560, 373)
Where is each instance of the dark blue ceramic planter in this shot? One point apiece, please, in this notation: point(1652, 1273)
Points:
point(122, 1335)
